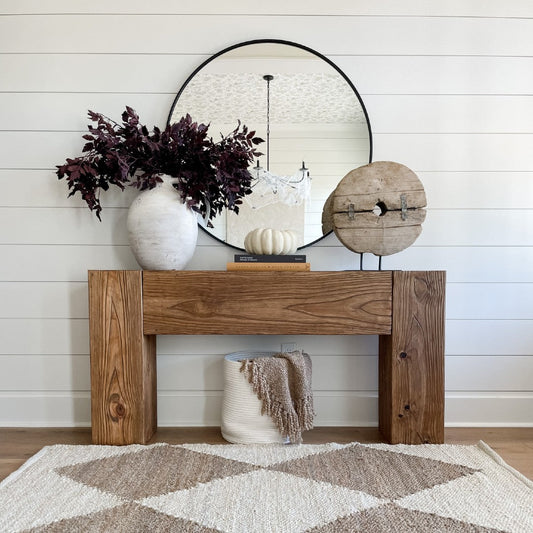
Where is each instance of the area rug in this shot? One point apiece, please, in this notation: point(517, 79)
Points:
point(205, 488)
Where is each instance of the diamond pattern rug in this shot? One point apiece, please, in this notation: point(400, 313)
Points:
point(326, 488)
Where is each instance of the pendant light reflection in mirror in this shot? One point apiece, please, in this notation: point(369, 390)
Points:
point(271, 188)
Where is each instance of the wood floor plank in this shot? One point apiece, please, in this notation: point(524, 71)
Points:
point(17, 445)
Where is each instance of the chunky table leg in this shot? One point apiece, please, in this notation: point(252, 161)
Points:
point(411, 361)
point(123, 364)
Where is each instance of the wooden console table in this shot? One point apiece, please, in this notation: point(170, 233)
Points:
point(127, 309)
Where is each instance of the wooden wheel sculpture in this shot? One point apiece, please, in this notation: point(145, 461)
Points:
point(377, 208)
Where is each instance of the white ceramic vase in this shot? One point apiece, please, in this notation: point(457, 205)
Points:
point(162, 230)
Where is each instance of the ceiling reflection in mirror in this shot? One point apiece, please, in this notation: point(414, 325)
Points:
point(310, 113)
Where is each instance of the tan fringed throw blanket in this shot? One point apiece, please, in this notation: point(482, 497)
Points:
point(283, 384)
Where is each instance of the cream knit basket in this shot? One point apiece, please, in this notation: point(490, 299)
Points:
point(242, 421)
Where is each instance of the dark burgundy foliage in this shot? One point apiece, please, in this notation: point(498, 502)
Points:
point(211, 175)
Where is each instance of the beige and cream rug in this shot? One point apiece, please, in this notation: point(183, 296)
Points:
point(205, 488)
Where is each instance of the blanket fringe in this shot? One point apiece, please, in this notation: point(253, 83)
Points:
point(290, 420)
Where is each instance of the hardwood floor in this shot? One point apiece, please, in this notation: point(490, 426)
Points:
point(17, 445)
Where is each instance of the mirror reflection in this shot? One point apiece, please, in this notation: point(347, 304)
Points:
point(313, 122)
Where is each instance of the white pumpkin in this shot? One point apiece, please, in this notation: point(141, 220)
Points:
point(268, 241)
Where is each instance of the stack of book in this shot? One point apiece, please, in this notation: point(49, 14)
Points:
point(250, 262)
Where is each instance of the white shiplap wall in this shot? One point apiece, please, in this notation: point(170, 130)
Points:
point(449, 90)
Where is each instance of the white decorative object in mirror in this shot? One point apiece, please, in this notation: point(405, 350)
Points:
point(269, 188)
point(162, 230)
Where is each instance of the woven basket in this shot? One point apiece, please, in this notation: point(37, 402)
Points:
point(242, 421)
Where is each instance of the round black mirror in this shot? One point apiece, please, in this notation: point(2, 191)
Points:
point(314, 123)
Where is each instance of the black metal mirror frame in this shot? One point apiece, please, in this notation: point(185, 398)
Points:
point(288, 43)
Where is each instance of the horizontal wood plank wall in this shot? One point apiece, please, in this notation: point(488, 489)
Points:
point(448, 87)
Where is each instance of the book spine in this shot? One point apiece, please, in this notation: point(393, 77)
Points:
point(263, 267)
point(247, 258)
